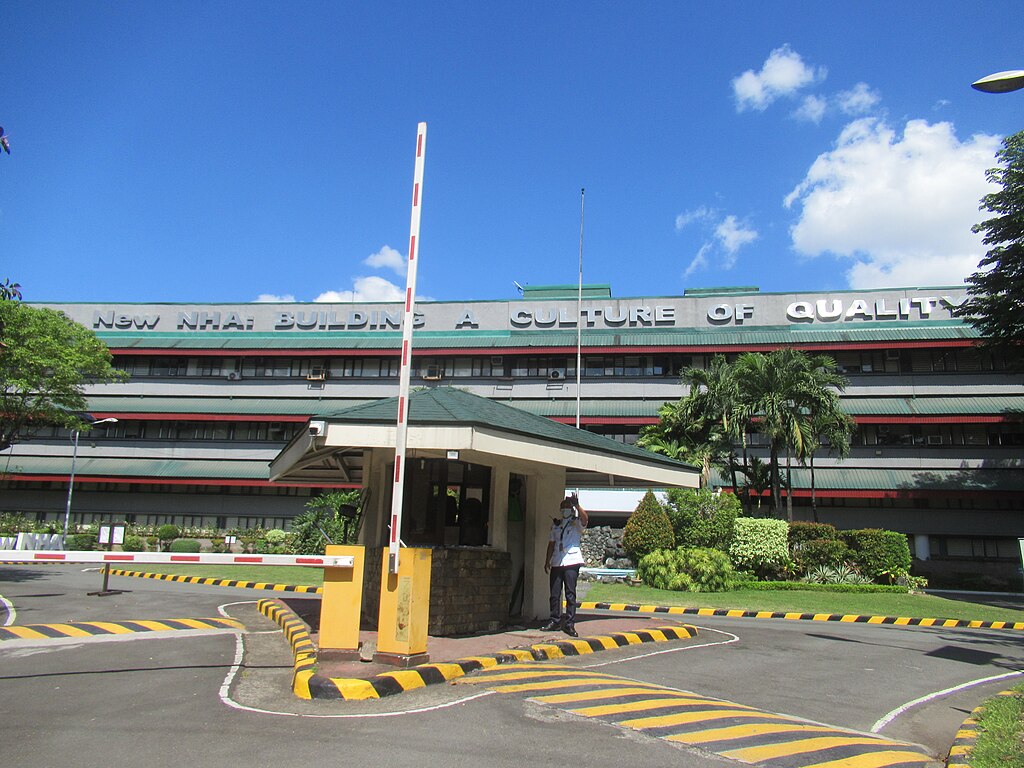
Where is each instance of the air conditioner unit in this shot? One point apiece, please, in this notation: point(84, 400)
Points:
point(432, 373)
point(233, 376)
point(867, 368)
point(892, 354)
point(934, 439)
point(497, 360)
point(316, 374)
point(556, 375)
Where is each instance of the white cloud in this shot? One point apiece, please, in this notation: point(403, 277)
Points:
point(812, 109)
point(901, 207)
point(783, 74)
point(858, 100)
point(724, 236)
point(388, 257)
point(270, 298)
point(368, 289)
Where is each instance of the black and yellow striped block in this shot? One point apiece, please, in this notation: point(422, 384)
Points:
point(838, 617)
point(967, 737)
point(94, 628)
point(210, 582)
point(734, 731)
point(307, 684)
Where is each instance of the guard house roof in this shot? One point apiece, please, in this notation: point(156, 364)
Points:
point(445, 419)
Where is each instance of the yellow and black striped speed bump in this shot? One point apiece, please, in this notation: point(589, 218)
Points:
point(307, 684)
point(735, 731)
point(839, 617)
point(94, 628)
point(967, 737)
point(210, 582)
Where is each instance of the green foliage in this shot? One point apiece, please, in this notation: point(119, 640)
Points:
point(13, 523)
point(800, 586)
point(838, 574)
point(995, 302)
point(323, 516)
point(692, 569)
point(820, 553)
point(168, 532)
point(800, 532)
point(760, 546)
point(82, 542)
point(184, 545)
point(883, 556)
point(276, 536)
point(702, 518)
point(647, 529)
point(47, 362)
point(133, 544)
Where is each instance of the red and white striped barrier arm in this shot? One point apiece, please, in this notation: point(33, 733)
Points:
point(62, 556)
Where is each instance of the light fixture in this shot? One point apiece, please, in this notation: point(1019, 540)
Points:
point(1001, 82)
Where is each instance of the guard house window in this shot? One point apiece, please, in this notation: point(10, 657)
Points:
point(447, 503)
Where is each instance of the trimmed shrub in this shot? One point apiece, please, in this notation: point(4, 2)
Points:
point(133, 544)
point(761, 546)
point(167, 533)
point(883, 556)
point(276, 536)
point(692, 569)
point(82, 542)
point(702, 518)
point(647, 529)
point(772, 586)
point(802, 532)
point(184, 545)
point(817, 553)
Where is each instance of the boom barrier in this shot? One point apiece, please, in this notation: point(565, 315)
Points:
point(61, 556)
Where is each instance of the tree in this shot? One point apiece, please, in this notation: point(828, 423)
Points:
point(647, 529)
point(833, 427)
point(334, 515)
point(995, 294)
point(46, 362)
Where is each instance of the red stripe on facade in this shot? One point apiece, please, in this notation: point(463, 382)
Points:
point(175, 481)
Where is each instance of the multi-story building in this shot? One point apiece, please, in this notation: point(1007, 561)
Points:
point(216, 391)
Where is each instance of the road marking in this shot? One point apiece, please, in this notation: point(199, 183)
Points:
point(80, 629)
point(735, 731)
point(9, 609)
point(878, 726)
point(732, 639)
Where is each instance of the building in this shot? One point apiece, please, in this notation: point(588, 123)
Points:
point(217, 391)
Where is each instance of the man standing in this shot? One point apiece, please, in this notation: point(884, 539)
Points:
point(563, 561)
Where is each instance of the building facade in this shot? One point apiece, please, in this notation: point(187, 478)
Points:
point(216, 391)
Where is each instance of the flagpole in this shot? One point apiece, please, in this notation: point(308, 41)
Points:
point(579, 316)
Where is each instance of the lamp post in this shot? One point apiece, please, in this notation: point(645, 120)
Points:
point(71, 482)
point(1000, 82)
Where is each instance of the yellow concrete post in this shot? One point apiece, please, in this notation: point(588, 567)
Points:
point(341, 605)
point(404, 609)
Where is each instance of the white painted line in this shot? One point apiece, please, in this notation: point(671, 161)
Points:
point(732, 639)
point(938, 694)
point(11, 613)
point(225, 690)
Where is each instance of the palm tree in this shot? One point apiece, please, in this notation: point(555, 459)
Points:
point(834, 427)
point(713, 399)
point(779, 390)
point(758, 475)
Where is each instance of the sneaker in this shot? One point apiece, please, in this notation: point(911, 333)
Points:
point(570, 630)
point(551, 626)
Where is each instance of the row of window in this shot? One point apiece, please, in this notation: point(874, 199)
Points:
point(531, 366)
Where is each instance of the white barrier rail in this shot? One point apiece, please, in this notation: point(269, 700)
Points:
point(50, 556)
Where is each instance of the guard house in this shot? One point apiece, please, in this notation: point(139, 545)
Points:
point(483, 482)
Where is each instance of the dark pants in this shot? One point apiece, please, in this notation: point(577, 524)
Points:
point(566, 577)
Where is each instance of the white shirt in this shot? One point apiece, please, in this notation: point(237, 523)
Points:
point(566, 534)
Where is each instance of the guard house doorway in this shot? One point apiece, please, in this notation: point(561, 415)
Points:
point(447, 503)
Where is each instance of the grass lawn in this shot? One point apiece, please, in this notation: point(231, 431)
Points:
point(1000, 731)
point(872, 604)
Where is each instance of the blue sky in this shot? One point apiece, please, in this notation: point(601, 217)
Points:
point(229, 151)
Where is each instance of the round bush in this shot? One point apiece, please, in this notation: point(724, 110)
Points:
point(883, 556)
point(690, 569)
point(801, 532)
point(760, 545)
point(133, 544)
point(647, 529)
point(168, 532)
point(830, 553)
point(184, 545)
point(82, 542)
point(702, 518)
point(276, 536)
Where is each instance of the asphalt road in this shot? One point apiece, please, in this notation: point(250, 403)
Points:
point(221, 698)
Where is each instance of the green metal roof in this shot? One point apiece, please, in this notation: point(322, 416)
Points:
point(592, 338)
point(446, 406)
point(191, 469)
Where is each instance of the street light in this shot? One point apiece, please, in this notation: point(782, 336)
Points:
point(71, 483)
point(1001, 82)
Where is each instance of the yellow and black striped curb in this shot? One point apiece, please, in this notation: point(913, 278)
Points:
point(93, 628)
point(735, 731)
point(967, 737)
point(307, 684)
point(211, 582)
point(838, 617)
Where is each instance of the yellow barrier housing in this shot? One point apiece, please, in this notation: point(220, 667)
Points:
point(404, 609)
point(341, 605)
